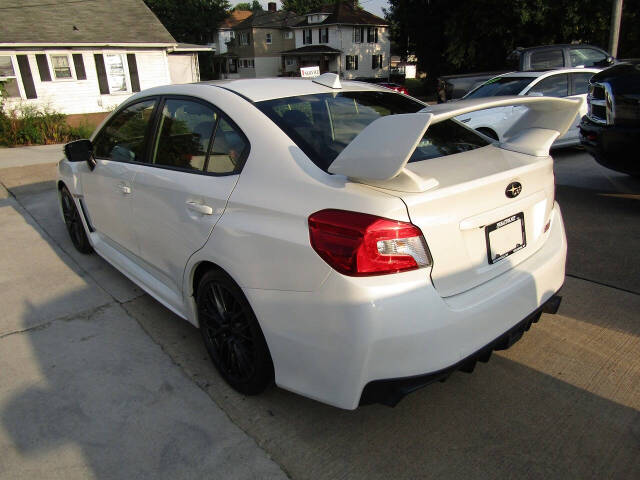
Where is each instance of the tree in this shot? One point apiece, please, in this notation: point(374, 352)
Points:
point(190, 21)
point(306, 6)
point(475, 35)
point(251, 7)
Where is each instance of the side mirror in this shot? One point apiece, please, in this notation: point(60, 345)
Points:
point(80, 151)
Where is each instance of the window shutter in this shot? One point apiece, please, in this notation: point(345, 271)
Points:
point(102, 74)
point(375, 31)
point(78, 62)
point(27, 78)
point(355, 57)
point(133, 72)
point(43, 67)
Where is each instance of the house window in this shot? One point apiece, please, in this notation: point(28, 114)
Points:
point(243, 38)
point(8, 77)
point(306, 36)
point(358, 34)
point(268, 38)
point(116, 75)
point(376, 61)
point(352, 62)
point(61, 67)
point(233, 65)
point(247, 63)
point(323, 35)
point(287, 35)
point(291, 62)
point(372, 35)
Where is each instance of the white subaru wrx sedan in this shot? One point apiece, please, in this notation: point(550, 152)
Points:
point(339, 239)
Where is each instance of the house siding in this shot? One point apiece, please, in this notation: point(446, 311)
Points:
point(83, 96)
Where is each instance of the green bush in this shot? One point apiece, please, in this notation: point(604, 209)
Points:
point(31, 125)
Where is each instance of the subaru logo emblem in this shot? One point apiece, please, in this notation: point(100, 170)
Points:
point(513, 189)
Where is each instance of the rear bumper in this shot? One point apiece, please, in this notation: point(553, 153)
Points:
point(330, 344)
point(391, 391)
point(611, 146)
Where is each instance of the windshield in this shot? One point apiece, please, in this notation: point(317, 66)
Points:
point(322, 125)
point(500, 86)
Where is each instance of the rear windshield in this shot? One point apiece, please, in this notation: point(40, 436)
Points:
point(322, 125)
point(500, 86)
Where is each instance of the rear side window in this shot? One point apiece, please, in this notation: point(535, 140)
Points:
point(553, 86)
point(581, 82)
point(229, 148)
point(547, 59)
point(322, 125)
point(124, 137)
point(185, 131)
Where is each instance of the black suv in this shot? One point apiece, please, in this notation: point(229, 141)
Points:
point(611, 129)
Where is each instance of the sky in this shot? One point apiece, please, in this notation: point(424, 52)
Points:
point(374, 6)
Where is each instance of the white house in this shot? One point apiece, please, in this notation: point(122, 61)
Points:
point(344, 39)
point(87, 57)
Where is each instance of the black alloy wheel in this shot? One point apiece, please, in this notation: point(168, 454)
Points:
point(73, 221)
point(232, 334)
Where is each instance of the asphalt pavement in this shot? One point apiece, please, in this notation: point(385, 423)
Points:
point(98, 380)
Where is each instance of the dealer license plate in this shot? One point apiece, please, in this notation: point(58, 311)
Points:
point(505, 237)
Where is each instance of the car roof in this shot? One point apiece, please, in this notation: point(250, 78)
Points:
point(541, 73)
point(259, 89)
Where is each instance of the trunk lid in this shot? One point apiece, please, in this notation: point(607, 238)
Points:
point(470, 197)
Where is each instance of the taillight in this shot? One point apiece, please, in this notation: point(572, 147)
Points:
point(359, 244)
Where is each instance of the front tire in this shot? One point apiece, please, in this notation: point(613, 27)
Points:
point(73, 222)
point(232, 335)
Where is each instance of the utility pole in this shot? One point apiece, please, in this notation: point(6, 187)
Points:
point(614, 31)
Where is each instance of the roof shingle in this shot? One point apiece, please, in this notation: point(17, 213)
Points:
point(344, 13)
point(99, 22)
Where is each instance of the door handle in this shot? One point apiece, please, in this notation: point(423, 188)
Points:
point(126, 189)
point(200, 208)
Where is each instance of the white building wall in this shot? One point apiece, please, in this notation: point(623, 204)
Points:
point(183, 68)
point(341, 38)
point(74, 96)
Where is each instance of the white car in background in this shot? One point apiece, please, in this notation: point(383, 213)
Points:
point(564, 83)
point(332, 237)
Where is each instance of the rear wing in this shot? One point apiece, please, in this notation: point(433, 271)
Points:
point(381, 151)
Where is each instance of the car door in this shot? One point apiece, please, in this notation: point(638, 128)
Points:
point(118, 149)
point(556, 85)
point(182, 191)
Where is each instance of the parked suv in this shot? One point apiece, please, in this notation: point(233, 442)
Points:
point(611, 127)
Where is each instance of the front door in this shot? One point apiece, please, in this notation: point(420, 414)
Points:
point(118, 148)
point(183, 190)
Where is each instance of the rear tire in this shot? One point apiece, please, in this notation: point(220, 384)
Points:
point(73, 221)
point(232, 335)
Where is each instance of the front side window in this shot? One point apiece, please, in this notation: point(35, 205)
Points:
point(306, 36)
point(358, 34)
point(323, 35)
point(587, 57)
point(376, 61)
point(553, 86)
point(547, 59)
point(124, 137)
point(116, 75)
point(61, 67)
point(322, 125)
point(8, 77)
point(268, 38)
point(244, 38)
point(351, 62)
point(287, 35)
point(500, 86)
point(184, 134)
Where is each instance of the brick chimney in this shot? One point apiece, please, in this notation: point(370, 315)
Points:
point(271, 6)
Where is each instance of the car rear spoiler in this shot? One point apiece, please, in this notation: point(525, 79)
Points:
point(381, 151)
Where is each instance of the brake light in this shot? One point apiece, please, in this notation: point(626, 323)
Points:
point(359, 244)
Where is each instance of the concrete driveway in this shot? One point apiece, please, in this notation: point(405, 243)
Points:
point(99, 380)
